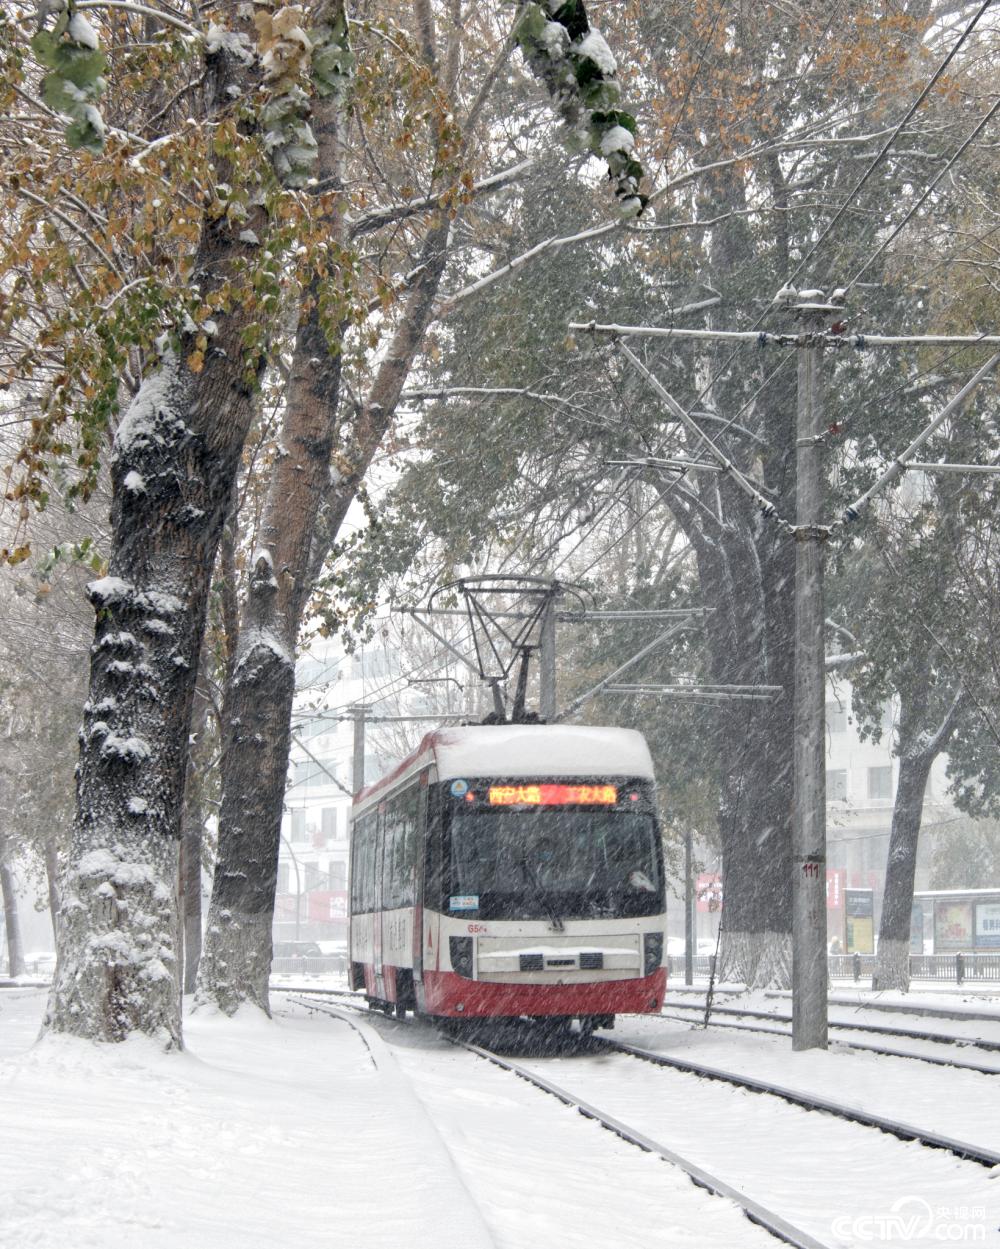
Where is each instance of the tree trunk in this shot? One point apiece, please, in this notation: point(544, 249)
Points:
point(918, 747)
point(746, 573)
point(190, 882)
point(193, 827)
point(52, 880)
point(175, 458)
point(256, 717)
point(260, 681)
point(12, 927)
point(258, 700)
point(755, 814)
point(892, 963)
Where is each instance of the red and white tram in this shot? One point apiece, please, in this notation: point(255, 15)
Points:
point(511, 870)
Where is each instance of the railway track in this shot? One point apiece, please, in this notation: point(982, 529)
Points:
point(876, 1029)
point(810, 1101)
point(775, 1222)
point(755, 1211)
point(885, 1051)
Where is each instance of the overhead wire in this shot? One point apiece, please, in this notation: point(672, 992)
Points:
point(814, 250)
point(918, 204)
point(907, 116)
point(880, 156)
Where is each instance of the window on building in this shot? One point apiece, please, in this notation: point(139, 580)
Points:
point(880, 784)
point(284, 873)
point(338, 875)
point(328, 819)
point(836, 717)
point(836, 785)
point(299, 832)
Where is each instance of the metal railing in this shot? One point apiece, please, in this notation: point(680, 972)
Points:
point(958, 968)
point(309, 964)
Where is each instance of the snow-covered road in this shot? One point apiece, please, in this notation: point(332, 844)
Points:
point(296, 1133)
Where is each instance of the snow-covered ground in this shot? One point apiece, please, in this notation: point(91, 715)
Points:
point(303, 1132)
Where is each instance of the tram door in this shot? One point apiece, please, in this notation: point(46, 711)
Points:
point(379, 892)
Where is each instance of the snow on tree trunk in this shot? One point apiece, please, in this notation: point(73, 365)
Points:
point(892, 962)
point(174, 462)
point(12, 926)
point(759, 960)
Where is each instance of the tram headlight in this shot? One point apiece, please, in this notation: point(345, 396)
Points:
point(652, 952)
point(460, 949)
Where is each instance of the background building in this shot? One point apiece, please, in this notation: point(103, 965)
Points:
point(311, 903)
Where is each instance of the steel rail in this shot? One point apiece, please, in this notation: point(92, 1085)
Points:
point(808, 1101)
point(903, 1008)
point(753, 1210)
point(861, 1047)
point(880, 1029)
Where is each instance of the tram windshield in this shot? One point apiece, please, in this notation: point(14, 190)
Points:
point(545, 863)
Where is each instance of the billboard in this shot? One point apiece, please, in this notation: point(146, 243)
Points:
point(952, 925)
point(988, 925)
point(859, 905)
point(326, 904)
point(708, 892)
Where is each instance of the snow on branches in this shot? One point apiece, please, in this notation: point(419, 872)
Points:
point(71, 52)
point(576, 64)
point(294, 64)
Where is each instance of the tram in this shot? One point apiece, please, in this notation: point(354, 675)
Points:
point(511, 871)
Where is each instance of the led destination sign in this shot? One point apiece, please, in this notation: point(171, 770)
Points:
point(552, 795)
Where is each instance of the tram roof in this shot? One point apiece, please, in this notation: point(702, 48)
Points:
point(515, 750)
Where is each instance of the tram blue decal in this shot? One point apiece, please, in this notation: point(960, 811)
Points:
point(459, 789)
point(463, 902)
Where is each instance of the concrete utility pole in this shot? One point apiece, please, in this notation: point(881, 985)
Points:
point(809, 970)
point(547, 664)
point(809, 976)
point(358, 770)
point(688, 910)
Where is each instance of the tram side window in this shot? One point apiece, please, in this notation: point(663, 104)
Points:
point(400, 848)
point(408, 858)
point(390, 826)
point(362, 880)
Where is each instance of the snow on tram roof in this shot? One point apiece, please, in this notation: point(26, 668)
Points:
point(513, 750)
point(541, 750)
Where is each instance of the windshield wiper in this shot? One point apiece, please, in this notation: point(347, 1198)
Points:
point(542, 896)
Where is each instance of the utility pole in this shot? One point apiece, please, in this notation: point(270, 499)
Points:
point(688, 909)
point(358, 770)
point(547, 664)
point(809, 969)
point(809, 977)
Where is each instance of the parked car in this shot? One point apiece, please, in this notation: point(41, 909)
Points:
point(297, 949)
